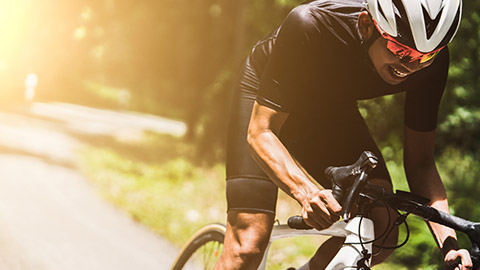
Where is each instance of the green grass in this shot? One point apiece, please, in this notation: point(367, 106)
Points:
point(156, 184)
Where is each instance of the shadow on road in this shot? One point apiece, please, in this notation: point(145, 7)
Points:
point(54, 132)
point(5, 150)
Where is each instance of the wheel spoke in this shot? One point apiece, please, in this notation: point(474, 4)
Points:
point(203, 250)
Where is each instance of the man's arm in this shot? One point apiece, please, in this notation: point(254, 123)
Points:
point(318, 206)
point(423, 179)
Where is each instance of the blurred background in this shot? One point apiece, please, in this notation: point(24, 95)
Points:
point(177, 59)
point(180, 60)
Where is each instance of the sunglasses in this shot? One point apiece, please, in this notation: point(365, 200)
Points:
point(405, 53)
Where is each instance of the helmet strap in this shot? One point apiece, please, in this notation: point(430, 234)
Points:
point(365, 45)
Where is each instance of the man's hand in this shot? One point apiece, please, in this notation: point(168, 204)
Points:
point(458, 260)
point(320, 209)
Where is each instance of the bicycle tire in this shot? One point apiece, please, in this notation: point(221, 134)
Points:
point(202, 250)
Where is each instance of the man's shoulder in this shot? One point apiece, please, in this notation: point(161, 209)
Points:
point(431, 75)
point(335, 18)
point(322, 11)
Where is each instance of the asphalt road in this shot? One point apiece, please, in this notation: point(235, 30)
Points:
point(51, 217)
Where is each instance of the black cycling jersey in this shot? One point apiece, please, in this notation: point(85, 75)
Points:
point(315, 59)
point(314, 67)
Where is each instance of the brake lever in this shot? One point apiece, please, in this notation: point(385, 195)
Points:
point(343, 184)
point(352, 195)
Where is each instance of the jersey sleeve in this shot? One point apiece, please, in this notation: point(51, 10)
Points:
point(290, 71)
point(425, 93)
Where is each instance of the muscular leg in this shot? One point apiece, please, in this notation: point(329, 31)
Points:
point(251, 196)
point(246, 239)
point(327, 250)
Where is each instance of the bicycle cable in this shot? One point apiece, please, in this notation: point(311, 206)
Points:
point(407, 231)
point(400, 219)
point(362, 263)
point(384, 234)
point(368, 210)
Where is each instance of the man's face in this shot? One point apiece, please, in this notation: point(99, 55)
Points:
point(391, 68)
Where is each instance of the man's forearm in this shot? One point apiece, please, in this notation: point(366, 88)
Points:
point(445, 237)
point(279, 165)
point(432, 188)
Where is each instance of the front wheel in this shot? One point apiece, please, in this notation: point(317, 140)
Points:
point(202, 250)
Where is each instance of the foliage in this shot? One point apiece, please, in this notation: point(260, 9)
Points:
point(174, 58)
point(460, 172)
point(460, 111)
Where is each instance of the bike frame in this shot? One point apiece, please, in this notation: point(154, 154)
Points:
point(356, 231)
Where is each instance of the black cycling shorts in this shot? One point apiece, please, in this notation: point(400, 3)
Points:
point(335, 137)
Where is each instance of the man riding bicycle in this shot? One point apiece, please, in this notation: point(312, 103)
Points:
point(296, 111)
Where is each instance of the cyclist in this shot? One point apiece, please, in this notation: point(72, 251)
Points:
point(296, 111)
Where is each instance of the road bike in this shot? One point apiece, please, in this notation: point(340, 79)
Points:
point(350, 187)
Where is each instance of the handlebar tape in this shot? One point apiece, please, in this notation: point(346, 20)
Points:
point(297, 222)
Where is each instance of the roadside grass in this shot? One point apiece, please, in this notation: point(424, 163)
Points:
point(157, 182)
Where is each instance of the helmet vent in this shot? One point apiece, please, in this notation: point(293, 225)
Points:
point(433, 7)
point(430, 24)
point(380, 10)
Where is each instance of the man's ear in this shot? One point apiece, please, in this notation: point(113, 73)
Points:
point(365, 25)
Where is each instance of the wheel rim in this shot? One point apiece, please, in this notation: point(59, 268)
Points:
point(205, 256)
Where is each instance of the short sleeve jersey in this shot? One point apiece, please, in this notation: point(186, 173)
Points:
point(315, 59)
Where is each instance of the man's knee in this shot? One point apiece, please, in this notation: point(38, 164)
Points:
point(247, 237)
point(383, 218)
point(391, 241)
point(250, 231)
point(385, 244)
point(249, 248)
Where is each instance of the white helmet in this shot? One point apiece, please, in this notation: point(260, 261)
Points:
point(424, 25)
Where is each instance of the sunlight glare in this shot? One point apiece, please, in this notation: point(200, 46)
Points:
point(14, 18)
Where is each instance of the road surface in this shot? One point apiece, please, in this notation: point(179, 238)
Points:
point(51, 217)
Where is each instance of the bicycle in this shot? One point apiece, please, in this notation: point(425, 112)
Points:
point(350, 187)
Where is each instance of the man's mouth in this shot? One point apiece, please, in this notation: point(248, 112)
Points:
point(398, 73)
